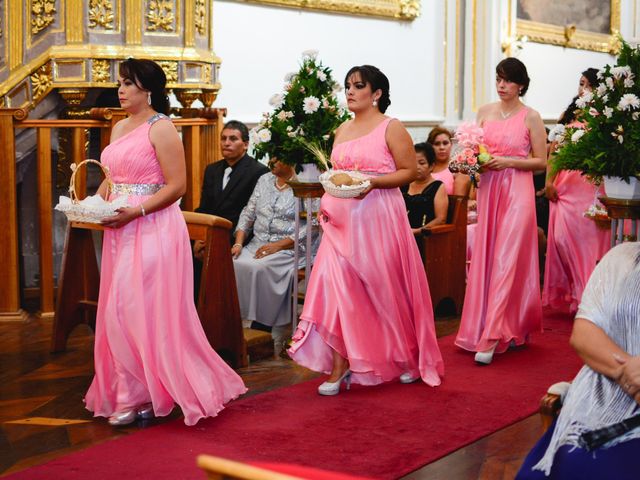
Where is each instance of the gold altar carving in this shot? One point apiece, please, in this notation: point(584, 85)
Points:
point(200, 15)
point(170, 70)
point(160, 16)
point(570, 35)
point(101, 14)
point(399, 9)
point(79, 44)
point(42, 14)
point(101, 71)
point(41, 82)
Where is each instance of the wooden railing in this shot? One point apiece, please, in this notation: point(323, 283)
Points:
point(200, 130)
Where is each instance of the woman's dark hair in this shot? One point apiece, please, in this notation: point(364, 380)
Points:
point(239, 126)
point(591, 74)
point(513, 70)
point(435, 131)
point(427, 150)
point(569, 115)
point(378, 81)
point(149, 76)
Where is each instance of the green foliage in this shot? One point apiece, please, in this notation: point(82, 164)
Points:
point(610, 144)
point(306, 114)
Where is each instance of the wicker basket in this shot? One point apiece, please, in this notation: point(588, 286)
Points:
point(344, 191)
point(92, 209)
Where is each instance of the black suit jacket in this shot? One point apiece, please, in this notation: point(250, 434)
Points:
point(228, 203)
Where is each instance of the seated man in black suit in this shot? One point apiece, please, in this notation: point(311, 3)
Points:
point(229, 183)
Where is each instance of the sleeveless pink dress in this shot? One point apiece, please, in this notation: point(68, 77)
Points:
point(446, 177)
point(368, 297)
point(574, 243)
point(149, 342)
point(502, 302)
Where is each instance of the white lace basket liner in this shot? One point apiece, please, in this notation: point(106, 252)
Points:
point(92, 209)
point(344, 191)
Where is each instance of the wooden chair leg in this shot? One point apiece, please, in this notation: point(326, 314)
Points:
point(218, 305)
point(78, 287)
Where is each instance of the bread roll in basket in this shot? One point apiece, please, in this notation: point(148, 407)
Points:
point(351, 183)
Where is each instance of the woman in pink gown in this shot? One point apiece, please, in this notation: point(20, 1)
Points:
point(367, 316)
point(150, 350)
point(502, 302)
point(441, 140)
point(575, 243)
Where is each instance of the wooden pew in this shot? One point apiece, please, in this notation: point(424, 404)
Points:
point(444, 252)
point(217, 304)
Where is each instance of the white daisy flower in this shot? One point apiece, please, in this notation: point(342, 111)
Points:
point(264, 135)
point(601, 89)
point(321, 76)
point(290, 76)
point(577, 135)
point(608, 112)
point(629, 101)
point(310, 105)
point(276, 100)
point(311, 54)
point(557, 133)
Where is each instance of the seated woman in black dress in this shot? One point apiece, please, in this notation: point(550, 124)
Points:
point(426, 198)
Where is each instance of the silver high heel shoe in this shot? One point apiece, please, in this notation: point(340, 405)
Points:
point(123, 418)
point(407, 377)
point(486, 357)
point(333, 388)
point(145, 412)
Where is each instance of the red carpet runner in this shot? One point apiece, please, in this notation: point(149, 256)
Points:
point(383, 432)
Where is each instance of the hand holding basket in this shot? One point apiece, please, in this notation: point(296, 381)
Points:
point(92, 209)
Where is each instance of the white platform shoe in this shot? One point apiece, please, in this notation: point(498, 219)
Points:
point(333, 388)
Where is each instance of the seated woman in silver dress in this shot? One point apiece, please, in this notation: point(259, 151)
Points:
point(264, 267)
point(597, 434)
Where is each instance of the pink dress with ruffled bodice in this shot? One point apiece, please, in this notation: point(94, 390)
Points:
point(149, 342)
point(368, 297)
point(502, 301)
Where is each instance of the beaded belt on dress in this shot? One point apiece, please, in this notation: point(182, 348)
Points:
point(136, 188)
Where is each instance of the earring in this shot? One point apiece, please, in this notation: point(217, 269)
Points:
point(375, 103)
point(149, 98)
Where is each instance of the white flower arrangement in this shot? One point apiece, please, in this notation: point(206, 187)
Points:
point(307, 113)
point(608, 143)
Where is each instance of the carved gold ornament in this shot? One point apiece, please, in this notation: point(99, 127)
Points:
point(41, 81)
point(201, 17)
point(42, 14)
point(170, 70)
point(101, 14)
point(400, 9)
point(160, 16)
point(409, 8)
point(100, 72)
point(570, 36)
point(206, 73)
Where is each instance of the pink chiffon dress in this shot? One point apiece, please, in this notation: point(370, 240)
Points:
point(368, 297)
point(446, 177)
point(502, 301)
point(149, 342)
point(575, 243)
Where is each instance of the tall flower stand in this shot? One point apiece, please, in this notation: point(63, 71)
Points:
point(305, 192)
point(621, 210)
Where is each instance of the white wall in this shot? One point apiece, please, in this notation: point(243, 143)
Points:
point(258, 45)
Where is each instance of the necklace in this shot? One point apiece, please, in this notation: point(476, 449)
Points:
point(286, 185)
point(508, 114)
